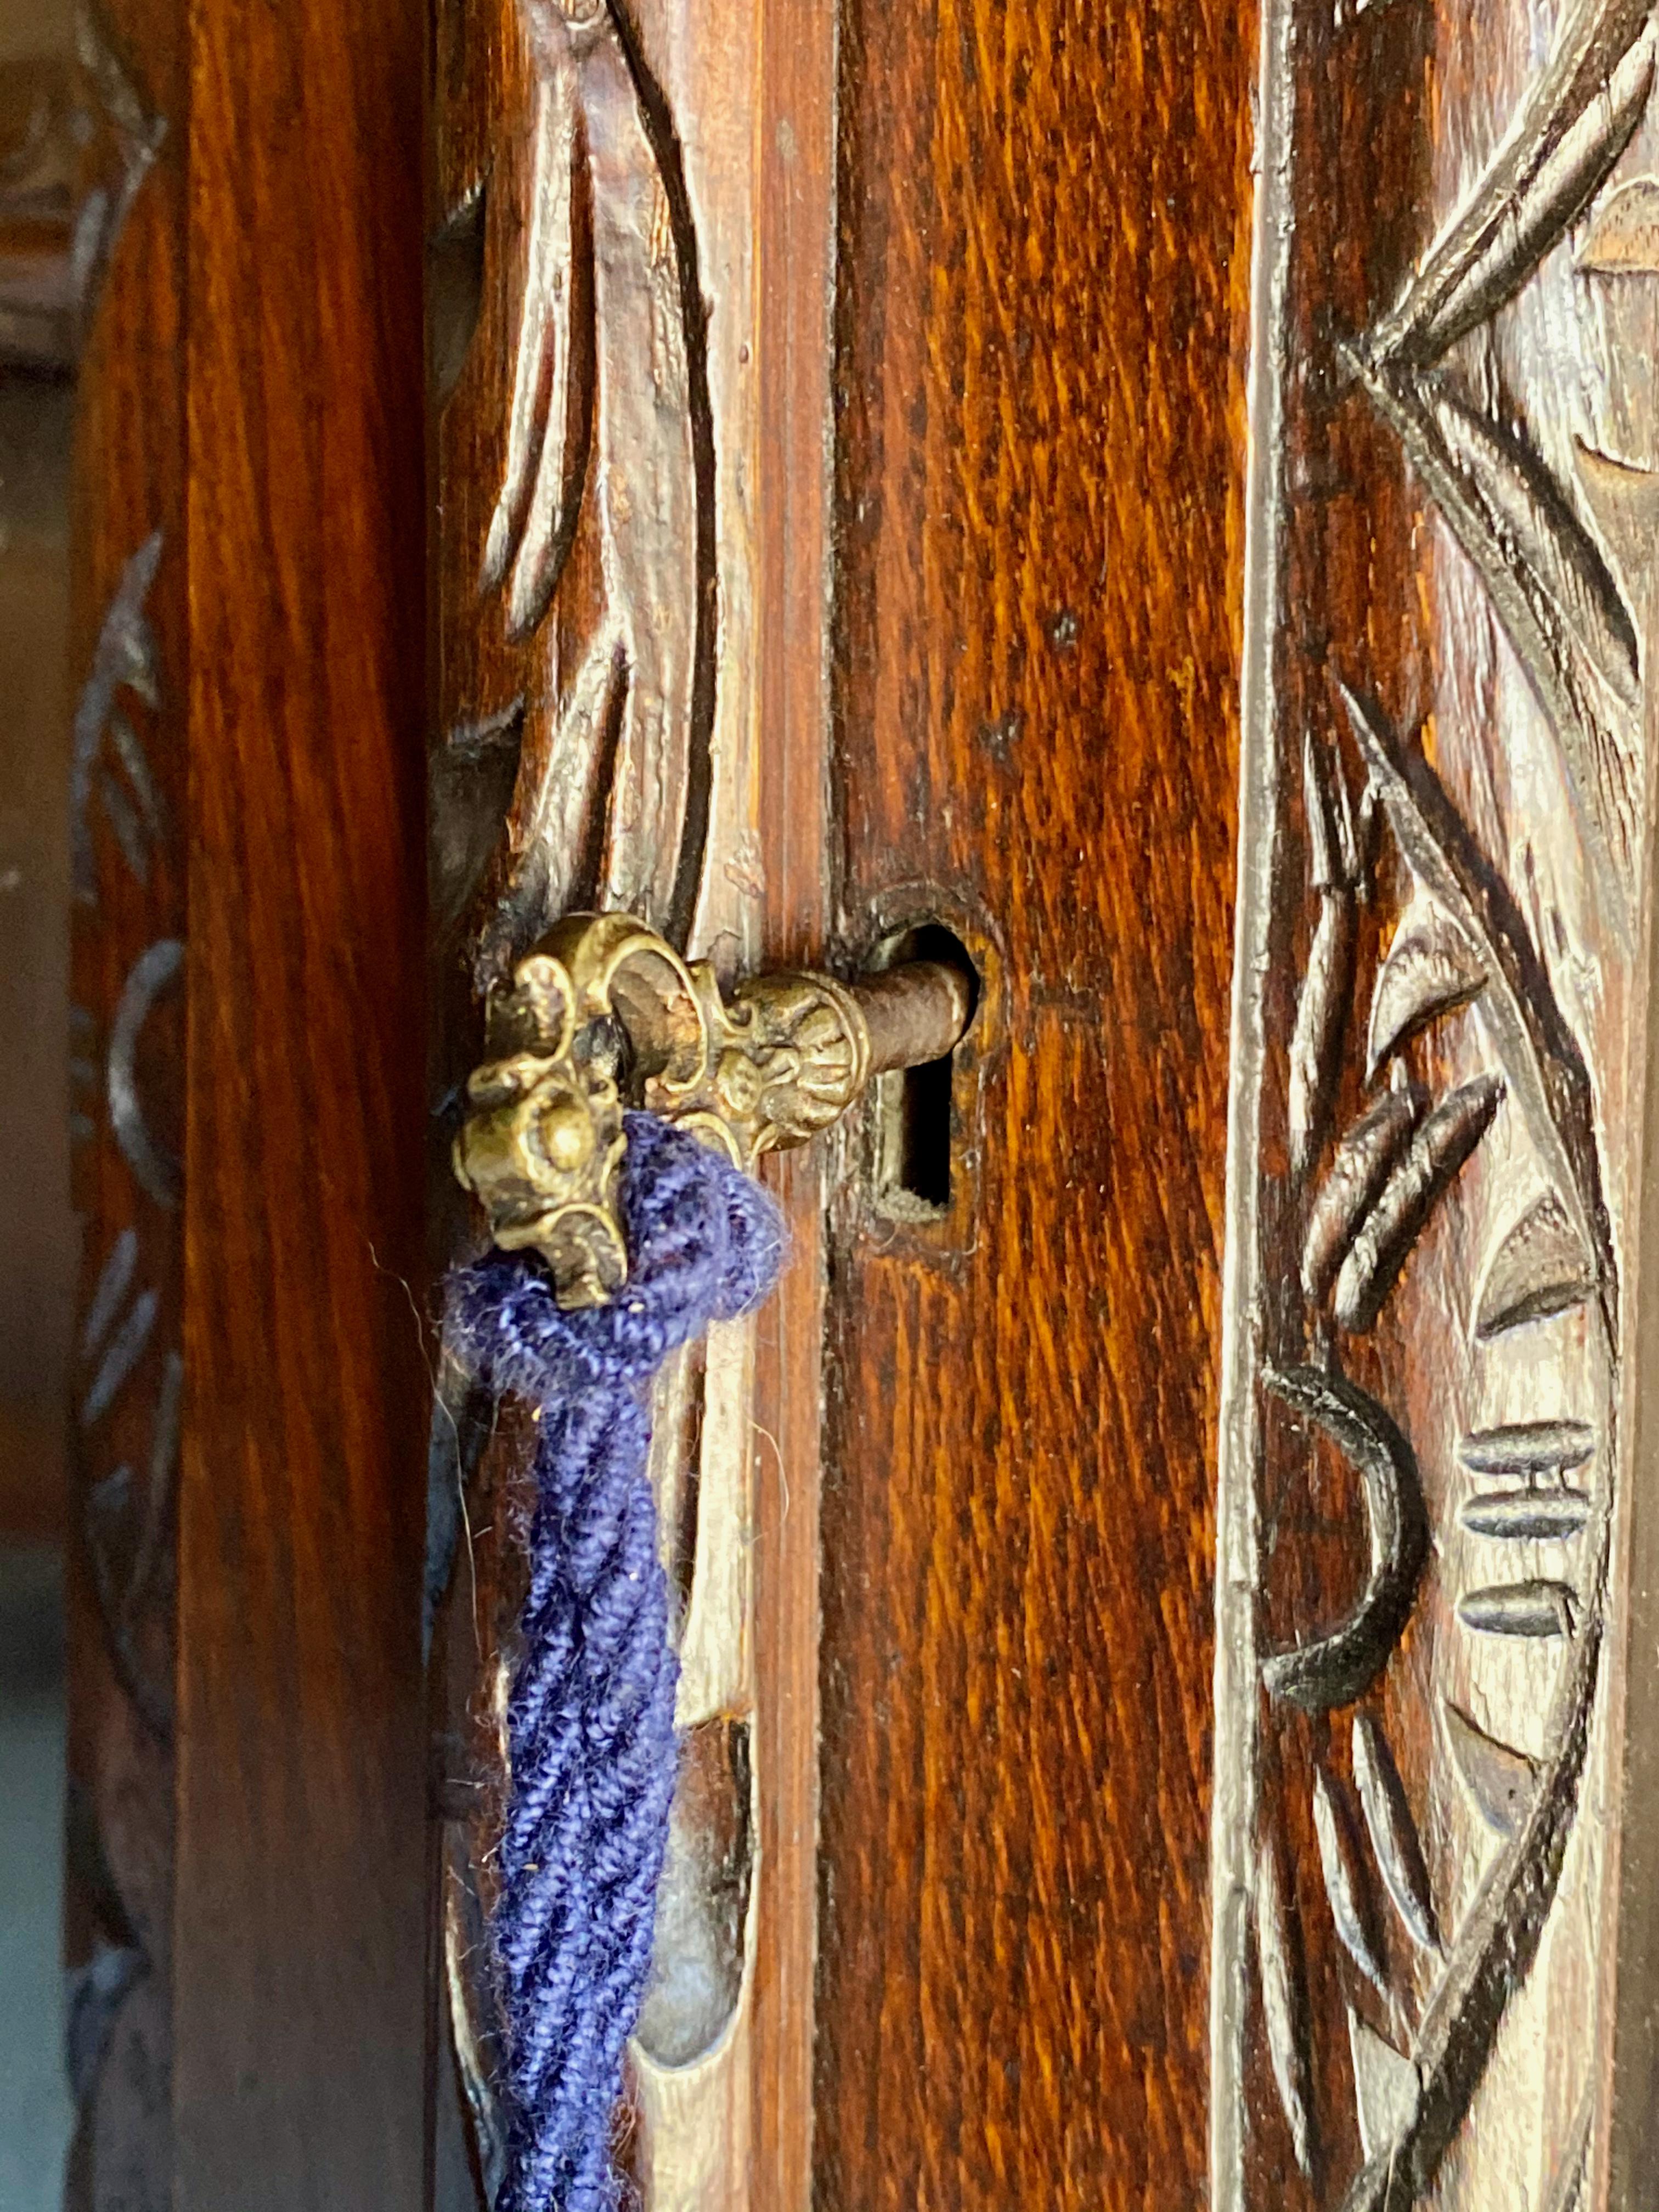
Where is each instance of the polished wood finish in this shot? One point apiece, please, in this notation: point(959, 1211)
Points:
point(252, 412)
point(872, 562)
point(1044, 268)
point(300, 1941)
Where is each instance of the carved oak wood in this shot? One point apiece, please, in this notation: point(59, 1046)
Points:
point(837, 523)
point(631, 242)
point(1436, 1145)
point(244, 1936)
point(128, 826)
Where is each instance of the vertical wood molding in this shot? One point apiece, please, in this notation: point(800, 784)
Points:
point(1434, 1174)
point(299, 1933)
point(128, 814)
point(631, 228)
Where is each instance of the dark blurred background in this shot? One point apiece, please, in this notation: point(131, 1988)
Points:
point(37, 1229)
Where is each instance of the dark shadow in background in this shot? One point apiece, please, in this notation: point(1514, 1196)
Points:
point(37, 1229)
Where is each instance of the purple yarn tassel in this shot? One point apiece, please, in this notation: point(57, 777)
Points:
point(590, 1717)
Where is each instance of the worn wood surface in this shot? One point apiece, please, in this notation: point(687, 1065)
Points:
point(1422, 1979)
point(1045, 257)
point(632, 231)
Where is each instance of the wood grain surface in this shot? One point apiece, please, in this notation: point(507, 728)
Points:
point(298, 2018)
point(684, 457)
point(1045, 263)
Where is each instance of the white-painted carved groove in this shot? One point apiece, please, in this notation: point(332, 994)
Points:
point(1521, 203)
point(1502, 1782)
point(1623, 496)
point(114, 1281)
point(1386, 2086)
point(1527, 1516)
point(1434, 1156)
point(1533, 1448)
point(1346, 1887)
point(1572, 595)
point(1283, 2003)
point(157, 967)
point(1335, 875)
point(125, 1350)
point(124, 658)
point(1541, 1063)
point(126, 1543)
point(1624, 239)
point(137, 132)
point(1541, 1268)
point(1535, 1607)
point(1365, 1159)
point(1341, 1665)
point(1393, 1832)
point(1494, 497)
point(1430, 971)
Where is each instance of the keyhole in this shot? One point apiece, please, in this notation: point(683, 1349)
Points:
point(914, 1105)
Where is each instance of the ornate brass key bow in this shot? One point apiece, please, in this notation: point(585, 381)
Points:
point(603, 1004)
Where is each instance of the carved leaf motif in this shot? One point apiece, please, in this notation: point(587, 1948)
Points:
point(534, 523)
point(1283, 2003)
point(1343, 1869)
point(1545, 1071)
point(137, 133)
point(1531, 1516)
point(1365, 1158)
point(1501, 1780)
point(1541, 1268)
point(1498, 1939)
point(1571, 593)
point(157, 969)
point(114, 1281)
point(1315, 1043)
point(124, 658)
point(1429, 969)
point(1341, 1665)
point(1531, 1448)
point(1551, 591)
point(613, 806)
point(1568, 131)
point(1565, 183)
point(1624, 239)
point(1625, 501)
point(1394, 1832)
point(1536, 1607)
point(1322, 1006)
point(1432, 1162)
point(122, 1355)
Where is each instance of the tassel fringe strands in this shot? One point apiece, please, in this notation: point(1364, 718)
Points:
point(591, 1715)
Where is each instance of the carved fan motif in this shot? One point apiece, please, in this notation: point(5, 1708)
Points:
point(612, 809)
point(1447, 1355)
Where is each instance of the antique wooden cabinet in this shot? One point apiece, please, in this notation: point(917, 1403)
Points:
point(1148, 507)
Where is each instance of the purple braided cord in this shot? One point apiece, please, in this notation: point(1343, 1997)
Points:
point(591, 1716)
